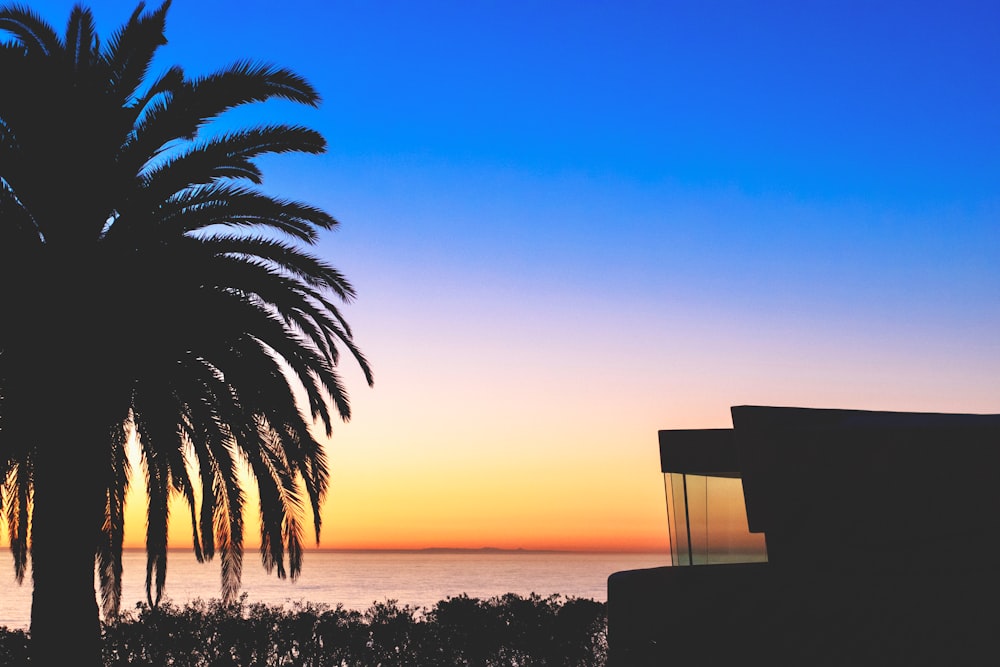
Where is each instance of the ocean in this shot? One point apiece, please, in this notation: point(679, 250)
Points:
point(359, 579)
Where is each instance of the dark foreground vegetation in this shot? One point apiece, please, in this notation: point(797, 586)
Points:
point(511, 630)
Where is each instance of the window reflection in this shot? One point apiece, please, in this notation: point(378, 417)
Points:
point(707, 521)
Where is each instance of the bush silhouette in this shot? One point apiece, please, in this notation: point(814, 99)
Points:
point(509, 630)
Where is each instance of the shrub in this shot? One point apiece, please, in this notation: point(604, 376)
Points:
point(509, 631)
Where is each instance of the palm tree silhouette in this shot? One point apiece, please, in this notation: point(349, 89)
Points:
point(150, 287)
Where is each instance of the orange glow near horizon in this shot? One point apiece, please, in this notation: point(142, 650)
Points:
point(440, 508)
point(462, 515)
point(558, 462)
point(532, 452)
point(494, 433)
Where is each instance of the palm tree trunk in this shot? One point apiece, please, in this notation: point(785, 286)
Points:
point(67, 516)
point(68, 395)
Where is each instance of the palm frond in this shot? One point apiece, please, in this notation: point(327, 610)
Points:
point(279, 498)
point(310, 462)
point(197, 102)
point(246, 81)
point(30, 29)
point(81, 38)
point(228, 156)
point(225, 204)
point(228, 518)
point(17, 508)
point(181, 482)
point(303, 266)
point(155, 434)
point(131, 49)
point(109, 554)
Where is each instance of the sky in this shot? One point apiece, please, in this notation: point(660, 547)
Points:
point(573, 224)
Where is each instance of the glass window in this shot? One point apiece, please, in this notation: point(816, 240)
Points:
point(707, 521)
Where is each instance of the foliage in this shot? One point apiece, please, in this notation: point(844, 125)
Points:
point(510, 630)
point(13, 647)
point(202, 313)
point(152, 289)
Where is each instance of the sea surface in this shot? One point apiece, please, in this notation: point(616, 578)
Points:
point(359, 579)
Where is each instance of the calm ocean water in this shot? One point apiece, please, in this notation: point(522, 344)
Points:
point(358, 579)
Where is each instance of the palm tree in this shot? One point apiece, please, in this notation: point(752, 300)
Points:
point(150, 287)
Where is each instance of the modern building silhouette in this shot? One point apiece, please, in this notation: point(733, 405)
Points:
point(821, 537)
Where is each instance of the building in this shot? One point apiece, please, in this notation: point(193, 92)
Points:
point(821, 537)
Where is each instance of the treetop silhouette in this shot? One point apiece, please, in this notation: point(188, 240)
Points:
point(150, 287)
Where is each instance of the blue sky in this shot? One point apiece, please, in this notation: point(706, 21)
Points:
point(816, 144)
point(572, 224)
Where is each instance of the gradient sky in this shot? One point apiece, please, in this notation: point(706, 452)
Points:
point(572, 224)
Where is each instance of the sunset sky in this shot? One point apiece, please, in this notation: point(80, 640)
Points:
point(572, 224)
